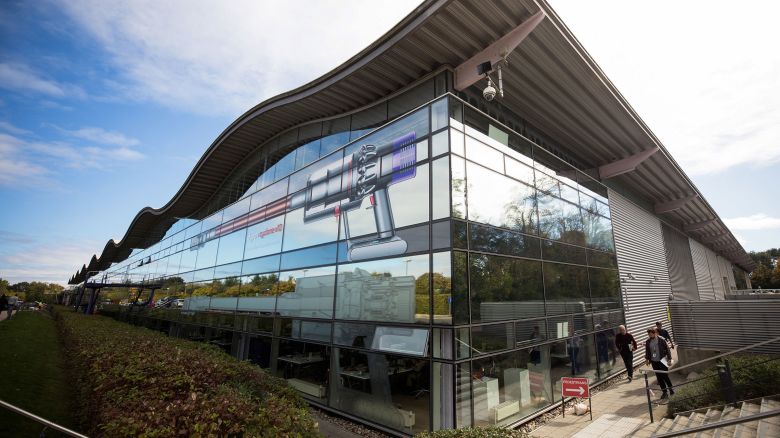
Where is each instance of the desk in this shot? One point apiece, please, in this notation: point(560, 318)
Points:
point(301, 360)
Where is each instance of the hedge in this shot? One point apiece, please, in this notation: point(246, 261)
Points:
point(475, 432)
point(754, 376)
point(131, 381)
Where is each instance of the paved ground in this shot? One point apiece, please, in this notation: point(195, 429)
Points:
point(617, 412)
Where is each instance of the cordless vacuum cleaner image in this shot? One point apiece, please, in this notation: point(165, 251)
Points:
point(336, 189)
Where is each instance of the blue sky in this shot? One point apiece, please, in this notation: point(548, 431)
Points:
point(105, 107)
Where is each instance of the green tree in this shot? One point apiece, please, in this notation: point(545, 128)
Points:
point(776, 276)
point(761, 277)
point(4, 286)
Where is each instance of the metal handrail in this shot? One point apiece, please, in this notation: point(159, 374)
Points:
point(722, 423)
point(728, 353)
point(40, 420)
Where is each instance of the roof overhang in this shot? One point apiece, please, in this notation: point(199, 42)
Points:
point(552, 82)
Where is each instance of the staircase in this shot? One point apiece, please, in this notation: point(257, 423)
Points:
point(763, 428)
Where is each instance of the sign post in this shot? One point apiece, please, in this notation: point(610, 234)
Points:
point(575, 387)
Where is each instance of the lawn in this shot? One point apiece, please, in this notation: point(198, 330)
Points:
point(33, 379)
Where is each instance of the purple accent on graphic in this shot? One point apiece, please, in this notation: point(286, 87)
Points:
point(404, 158)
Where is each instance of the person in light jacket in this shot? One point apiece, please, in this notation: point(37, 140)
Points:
point(656, 349)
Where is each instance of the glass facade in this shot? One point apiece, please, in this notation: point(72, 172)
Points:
point(438, 271)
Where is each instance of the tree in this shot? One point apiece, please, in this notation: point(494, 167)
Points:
point(4, 286)
point(776, 277)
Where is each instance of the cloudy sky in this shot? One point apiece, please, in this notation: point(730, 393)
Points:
point(106, 106)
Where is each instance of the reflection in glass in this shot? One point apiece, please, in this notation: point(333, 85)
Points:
point(566, 288)
point(231, 247)
point(505, 288)
point(442, 288)
point(510, 386)
point(390, 390)
point(299, 233)
point(306, 292)
point(384, 290)
point(598, 231)
point(458, 187)
point(480, 153)
point(494, 337)
point(305, 367)
point(604, 288)
point(258, 293)
point(560, 252)
point(495, 240)
point(510, 207)
point(264, 238)
point(440, 191)
point(574, 357)
point(560, 220)
point(460, 288)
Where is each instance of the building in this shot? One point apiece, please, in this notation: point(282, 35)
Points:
point(410, 254)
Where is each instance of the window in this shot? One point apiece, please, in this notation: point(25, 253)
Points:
point(505, 288)
point(566, 288)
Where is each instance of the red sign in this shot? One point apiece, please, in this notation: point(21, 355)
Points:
point(575, 387)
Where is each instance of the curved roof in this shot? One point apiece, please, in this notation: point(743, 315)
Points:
point(552, 82)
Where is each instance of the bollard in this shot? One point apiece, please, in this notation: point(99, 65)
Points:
point(726, 383)
point(649, 403)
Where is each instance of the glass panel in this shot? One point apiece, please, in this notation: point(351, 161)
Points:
point(511, 207)
point(353, 335)
point(258, 293)
point(457, 141)
point(485, 155)
point(442, 288)
point(601, 259)
point(560, 220)
point(260, 265)
point(439, 114)
point(460, 288)
point(408, 200)
point(598, 231)
point(390, 390)
point(566, 288)
point(495, 240)
point(264, 238)
point(463, 395)
point(318, 255)
point(519, 171)
point(606, 351)
point(441, 235)
point(574, 357)
point(458, 187)
point(305, 367)
point(560, 252)
point(269, 194)
point(530, 332)
point(402, 340)
point(231, 247)
point(333, 142)
point(494, 337)
point(604, 288)
point(511, 382)
point(443, 378)
point(259, 351)
point(300, 232)
point(440, 144)
point(311, 330)
point(384, 290)
point(306, 292)
point(440, 191)
point(229, 271)
point(459, 239)
point(504, 288)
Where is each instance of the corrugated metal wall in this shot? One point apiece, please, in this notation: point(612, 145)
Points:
point(702, 270)
point(728, 271)
point(717, 279)
point(644, 276)
point(682, 276)
point(725, 325)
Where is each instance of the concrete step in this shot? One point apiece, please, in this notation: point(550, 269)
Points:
point(728, 413)
point(747, 430)
point(769, 427)
point(696, 419)
point(712, 415)
point(665, 425)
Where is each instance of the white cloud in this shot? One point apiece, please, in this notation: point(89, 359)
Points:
point(7, 127)
point(194, 56)
point(32, 163)
point(21, 78)
point(705, 78)
point(99, 135)
point(758, 221)
point(25, 258)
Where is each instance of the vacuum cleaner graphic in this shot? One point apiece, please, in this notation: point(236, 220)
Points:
point(339, 188)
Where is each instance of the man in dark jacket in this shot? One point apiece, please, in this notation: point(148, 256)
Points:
point(664, 334)
point(626, 345)
point(656, 349)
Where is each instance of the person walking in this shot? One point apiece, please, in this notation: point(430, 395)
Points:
point(12, 302)
point(4, 304)
point(664, 334)
point(656, 350)
point(626, 345)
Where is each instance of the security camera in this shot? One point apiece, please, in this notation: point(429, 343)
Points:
point(489, 92)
